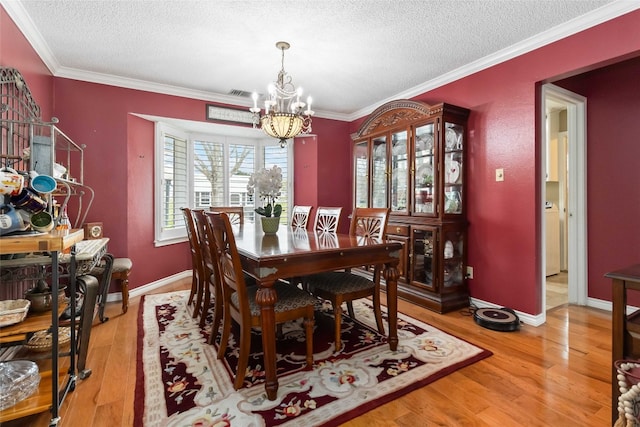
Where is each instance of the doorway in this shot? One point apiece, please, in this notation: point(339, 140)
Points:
point(563, 192)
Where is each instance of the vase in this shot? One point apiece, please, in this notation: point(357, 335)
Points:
point(270, 224)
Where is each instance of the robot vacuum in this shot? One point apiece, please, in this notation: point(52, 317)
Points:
point(498, 319)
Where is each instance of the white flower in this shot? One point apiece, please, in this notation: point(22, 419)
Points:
point(266, 184)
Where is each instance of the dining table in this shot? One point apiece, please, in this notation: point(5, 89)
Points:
point(295, 252)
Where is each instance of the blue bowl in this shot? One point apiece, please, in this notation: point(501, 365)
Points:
point(43, 184)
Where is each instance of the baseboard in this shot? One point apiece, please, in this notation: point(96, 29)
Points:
point(603, 305)
point(141, 290)
point(539, 319)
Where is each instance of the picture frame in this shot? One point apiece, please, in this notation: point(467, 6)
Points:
point(93, 230)
point(228, 115)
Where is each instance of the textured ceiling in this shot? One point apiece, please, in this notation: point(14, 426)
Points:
point(349, 55)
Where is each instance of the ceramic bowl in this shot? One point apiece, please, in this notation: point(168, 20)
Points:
point(43, 184)
point(41, 301)
point(42, 221)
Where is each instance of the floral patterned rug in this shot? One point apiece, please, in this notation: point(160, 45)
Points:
point(181, 382)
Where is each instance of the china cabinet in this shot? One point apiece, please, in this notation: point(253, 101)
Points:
point(410, 157)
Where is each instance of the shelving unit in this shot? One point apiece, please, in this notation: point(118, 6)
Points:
point(30, 144)
point(410, 157)
point(54, 243)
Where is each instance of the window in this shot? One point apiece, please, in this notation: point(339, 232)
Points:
point(203, 199)
point(203, 170)
point(171, 189)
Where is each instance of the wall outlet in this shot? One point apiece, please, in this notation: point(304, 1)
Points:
point(469, 272)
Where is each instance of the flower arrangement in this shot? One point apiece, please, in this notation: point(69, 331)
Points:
point(266, 184)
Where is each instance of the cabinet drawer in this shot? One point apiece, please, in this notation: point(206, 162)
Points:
point(398, 229)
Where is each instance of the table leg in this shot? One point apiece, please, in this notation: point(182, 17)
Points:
point(266, 298)
point(391, 275)
point(107, 259)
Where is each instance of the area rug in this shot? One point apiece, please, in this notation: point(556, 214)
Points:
point(180, 382)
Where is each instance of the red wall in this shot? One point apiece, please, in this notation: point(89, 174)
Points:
point(16, 52)
point(504, 216)
point(325, 162)
point(613, 179)
point(504, 237)
point(305, 184)
point(119, 165)
point(504, 233)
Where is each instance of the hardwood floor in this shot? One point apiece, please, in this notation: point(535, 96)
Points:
point(557, 290)
point(557, 374)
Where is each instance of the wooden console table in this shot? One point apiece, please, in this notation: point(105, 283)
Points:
point(625, 329)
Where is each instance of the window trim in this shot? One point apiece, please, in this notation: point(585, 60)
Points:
point(178, 234)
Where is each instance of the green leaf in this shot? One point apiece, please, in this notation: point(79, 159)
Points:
point(267, 210)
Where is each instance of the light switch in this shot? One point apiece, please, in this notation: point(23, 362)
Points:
point(500, 174)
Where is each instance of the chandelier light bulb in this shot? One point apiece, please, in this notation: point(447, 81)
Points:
point(254, 96)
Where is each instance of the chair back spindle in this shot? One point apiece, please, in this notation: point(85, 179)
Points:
point(235, 213)
point(327, 219)
point(300, 216)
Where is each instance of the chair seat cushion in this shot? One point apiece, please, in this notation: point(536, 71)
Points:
point(121, 264)
point(337, 282)
point(289, 298)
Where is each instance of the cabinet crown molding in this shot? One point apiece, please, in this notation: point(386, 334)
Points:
point(399, 112)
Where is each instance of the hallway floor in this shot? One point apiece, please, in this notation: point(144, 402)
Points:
point(557, 290)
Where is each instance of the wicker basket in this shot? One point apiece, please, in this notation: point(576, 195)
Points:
point(13, 311)
point(42, 340)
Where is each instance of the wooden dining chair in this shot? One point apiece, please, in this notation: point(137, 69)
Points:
point(198, 275)
point(235, 213)
point(327, 219)
point(210, 270)
point(345, 286)
point(300, 216)
point(240, 300)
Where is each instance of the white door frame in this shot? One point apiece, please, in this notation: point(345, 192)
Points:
point(577, 200)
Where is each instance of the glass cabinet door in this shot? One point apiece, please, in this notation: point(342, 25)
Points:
point(379, 170)
point(453, 166)
point(453, 264)
point(361, 175)
point(424, 258)
point(399, 172)
point(424, 170)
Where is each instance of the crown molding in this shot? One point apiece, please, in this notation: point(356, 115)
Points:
point(605, 13)
point(598, 16)
point(24, 22)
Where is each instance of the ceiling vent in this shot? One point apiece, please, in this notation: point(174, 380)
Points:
point(240, 93)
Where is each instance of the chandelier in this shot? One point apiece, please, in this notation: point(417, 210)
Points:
point(284, 114)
